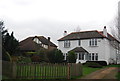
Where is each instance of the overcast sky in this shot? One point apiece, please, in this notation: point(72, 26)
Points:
point(51, 17)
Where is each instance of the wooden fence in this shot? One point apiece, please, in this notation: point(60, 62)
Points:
point(41, 70)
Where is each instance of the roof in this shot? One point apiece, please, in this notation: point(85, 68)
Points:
point(79, 49)
point(110, 37)
point(29, 44)
point(86, 35)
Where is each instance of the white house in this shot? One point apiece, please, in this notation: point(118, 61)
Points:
point(91, 46)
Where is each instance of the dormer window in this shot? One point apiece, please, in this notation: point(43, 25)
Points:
point(66, 43)
point(93, 42)
point(37, 40)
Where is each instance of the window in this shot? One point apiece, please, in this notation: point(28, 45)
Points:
point(89, 57)
point(86, 56)
point(37, 40)
point(93, 42)
point(92, 56)
point(96, 56)
point(79, 42)
point(81, 56)
point(66, 43)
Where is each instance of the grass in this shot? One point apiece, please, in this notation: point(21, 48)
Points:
point(113, 65)
point(88, 70)
point(118, 75)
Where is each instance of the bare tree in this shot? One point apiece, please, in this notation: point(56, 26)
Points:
point(78, 29)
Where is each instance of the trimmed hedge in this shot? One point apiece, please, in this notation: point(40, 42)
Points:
point(103, 63)
point(93, 65)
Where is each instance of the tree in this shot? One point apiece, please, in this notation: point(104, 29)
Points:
point(9, 42)
point(55, 56)
point(58, 56)
point(71, 57)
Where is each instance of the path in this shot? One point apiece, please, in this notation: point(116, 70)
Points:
point(106, 73)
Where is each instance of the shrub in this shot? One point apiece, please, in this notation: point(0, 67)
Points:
point(55, 56)
point(71, 57)
point(35, 58)
point(24, 59)
point(93, 65)
point(30, 54)
point(5, 55)
point(103, 63)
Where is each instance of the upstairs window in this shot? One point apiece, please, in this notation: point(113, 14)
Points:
point(79, 42)
point(66, 43)
point(93, 42)
point(37, 40)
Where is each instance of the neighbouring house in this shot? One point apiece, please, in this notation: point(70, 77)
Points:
point(91, 46)
point(32, 44)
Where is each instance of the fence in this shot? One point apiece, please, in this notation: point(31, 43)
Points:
point(41, 70)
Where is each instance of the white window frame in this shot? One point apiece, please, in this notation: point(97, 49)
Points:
point(67, 43)
point(93, 42)
point(81, 56)
point(93, 57)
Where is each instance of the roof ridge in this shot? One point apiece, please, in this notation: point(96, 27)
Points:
point(85, 31)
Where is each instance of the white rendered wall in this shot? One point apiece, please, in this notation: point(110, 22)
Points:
point(104, 49)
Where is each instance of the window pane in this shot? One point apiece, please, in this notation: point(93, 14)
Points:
point(86, 56)
point(90, 42)
point(79, 42)
point(82, 56)
point(95, 42)
point(96, 57)
point(92, 56)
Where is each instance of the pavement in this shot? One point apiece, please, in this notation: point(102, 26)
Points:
point(106, 73)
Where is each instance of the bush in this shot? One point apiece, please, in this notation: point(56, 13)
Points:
point(71, 57)
point(55, 56)
point(103, 63)
point(30, 54)
point(93, 65)
point(5, 55)
point(35, 58)
point(24, 60)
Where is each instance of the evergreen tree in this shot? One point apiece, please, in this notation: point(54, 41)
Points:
point(9, 43)
point(71, 57)
point(55, 56)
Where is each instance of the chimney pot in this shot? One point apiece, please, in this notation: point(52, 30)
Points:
point(65, 33)
point(105, 27)
point(105, 31)
point(48, 38)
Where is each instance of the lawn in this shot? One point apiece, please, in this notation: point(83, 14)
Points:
point(88, 70)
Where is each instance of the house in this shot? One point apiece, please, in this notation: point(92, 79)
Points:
point(32, 44)
point(91, 46)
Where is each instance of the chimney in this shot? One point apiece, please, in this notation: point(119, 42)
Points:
point(105, 31)
point(65, 33)
point(48, 42)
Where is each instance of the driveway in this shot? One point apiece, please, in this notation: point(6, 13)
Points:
point(106, 73)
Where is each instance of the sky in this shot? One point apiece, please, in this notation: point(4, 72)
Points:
point(50, 18)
